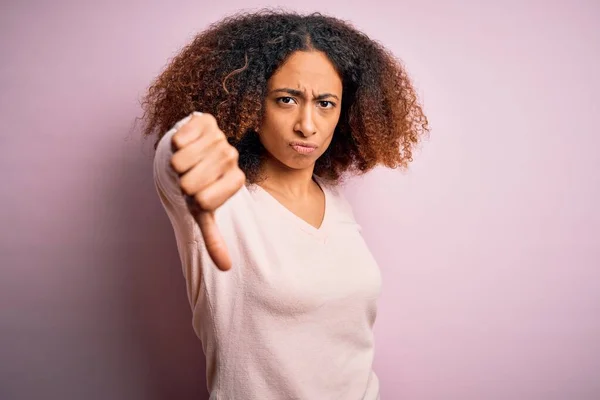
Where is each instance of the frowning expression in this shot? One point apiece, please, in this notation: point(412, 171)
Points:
point(302, 109)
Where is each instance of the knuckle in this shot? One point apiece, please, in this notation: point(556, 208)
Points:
point(241, 178)
point(235, 155)
point(223, 151)
point(186, 185)
point(176, 141)
point(203, 201)
point(209, 119)
point(184, 136)
point(176, 163)
point(219, 136)
point(230, 153)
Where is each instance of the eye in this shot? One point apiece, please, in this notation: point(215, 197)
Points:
point(286, 100)
point(326, 104)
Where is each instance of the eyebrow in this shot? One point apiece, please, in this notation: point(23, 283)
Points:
point(298, 93)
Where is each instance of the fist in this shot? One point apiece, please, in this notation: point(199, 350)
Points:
point(209, 175)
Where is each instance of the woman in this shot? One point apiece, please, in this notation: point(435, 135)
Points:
point(258, 121)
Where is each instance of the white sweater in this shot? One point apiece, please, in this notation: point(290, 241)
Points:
point(293, 318)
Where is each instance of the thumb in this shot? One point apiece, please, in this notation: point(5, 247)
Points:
point(215, 244)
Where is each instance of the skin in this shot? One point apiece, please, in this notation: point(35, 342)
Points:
point(303, 105)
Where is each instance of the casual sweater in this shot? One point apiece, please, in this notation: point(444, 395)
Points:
point(293, 318)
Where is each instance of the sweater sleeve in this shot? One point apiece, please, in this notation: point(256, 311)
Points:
point(198, 268)
point(185, 228)
point(165, 178)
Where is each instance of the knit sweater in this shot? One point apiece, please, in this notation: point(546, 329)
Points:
point(293, 318)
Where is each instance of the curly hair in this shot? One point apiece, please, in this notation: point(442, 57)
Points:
point(225, 69)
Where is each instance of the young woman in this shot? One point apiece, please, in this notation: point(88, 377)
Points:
point(257, 122)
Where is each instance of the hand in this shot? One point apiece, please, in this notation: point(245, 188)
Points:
point(209, 175)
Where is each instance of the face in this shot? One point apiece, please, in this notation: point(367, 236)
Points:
point(302, 109)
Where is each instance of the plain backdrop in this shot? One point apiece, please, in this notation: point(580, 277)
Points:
point(489, 244)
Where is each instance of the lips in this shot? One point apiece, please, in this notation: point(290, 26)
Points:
point(303, 147)
point(304, 144)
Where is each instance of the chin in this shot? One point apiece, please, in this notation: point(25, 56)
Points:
point(295, 161)
point(299, 165)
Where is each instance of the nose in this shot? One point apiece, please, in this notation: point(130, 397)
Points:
point(305, 125)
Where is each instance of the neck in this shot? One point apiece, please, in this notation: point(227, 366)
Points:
point(291, 183)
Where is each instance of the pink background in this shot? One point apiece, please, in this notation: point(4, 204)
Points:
point(489, 245)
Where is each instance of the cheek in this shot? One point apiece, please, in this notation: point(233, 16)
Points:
point(327, 143)
point(271, 136)
point(273, 121)
point(331, 127)
point(332, 120)
point(270, 133)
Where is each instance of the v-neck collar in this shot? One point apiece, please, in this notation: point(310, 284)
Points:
point(319, 232)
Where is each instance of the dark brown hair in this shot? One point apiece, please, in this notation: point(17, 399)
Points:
point(225, 69)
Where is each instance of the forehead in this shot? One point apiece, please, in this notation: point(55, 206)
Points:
point(307, 70)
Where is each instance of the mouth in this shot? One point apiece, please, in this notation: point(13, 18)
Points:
point(303, 147)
